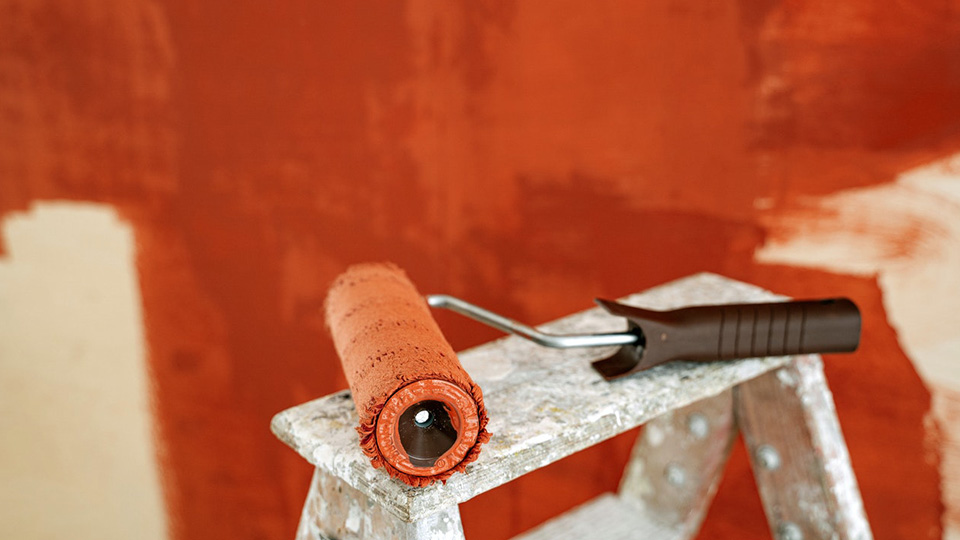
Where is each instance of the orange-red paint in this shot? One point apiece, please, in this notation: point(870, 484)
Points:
point(527, 156)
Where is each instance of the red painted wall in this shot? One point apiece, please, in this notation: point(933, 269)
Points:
point(526, 156)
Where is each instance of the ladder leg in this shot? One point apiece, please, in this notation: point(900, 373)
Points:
point(336, 511)
point(799, 457)
point(677, 463)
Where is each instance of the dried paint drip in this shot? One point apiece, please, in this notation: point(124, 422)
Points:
point(421, 416)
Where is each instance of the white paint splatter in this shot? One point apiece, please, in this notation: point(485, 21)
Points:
point(353, 518)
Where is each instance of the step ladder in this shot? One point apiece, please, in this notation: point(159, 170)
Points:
point(546, 404)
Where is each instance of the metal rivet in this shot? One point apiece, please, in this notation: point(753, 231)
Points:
point(654, 434)
point(768, 457)
point(676, 475)
point(789, 531)
point(698, 425)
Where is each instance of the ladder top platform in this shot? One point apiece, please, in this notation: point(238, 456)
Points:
point(544, 404)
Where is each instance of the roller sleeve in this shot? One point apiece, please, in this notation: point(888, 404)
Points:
point(421, 416)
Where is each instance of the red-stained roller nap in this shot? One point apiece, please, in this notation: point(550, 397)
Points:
point(394, 356)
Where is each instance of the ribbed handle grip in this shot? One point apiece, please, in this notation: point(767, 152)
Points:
point(749, 330)
point(725, 332)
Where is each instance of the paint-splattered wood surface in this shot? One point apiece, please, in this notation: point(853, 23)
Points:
point(608, 517)
point(800, 459)
point(334, 510)
point(677, 463)
point(544, 404)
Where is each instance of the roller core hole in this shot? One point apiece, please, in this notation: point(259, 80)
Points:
point(426, 432)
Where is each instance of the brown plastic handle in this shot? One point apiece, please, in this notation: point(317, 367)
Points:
point(725, 332)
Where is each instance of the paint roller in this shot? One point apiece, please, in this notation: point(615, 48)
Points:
point(421, 416)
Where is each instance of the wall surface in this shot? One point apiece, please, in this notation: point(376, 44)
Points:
point(527, 156)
